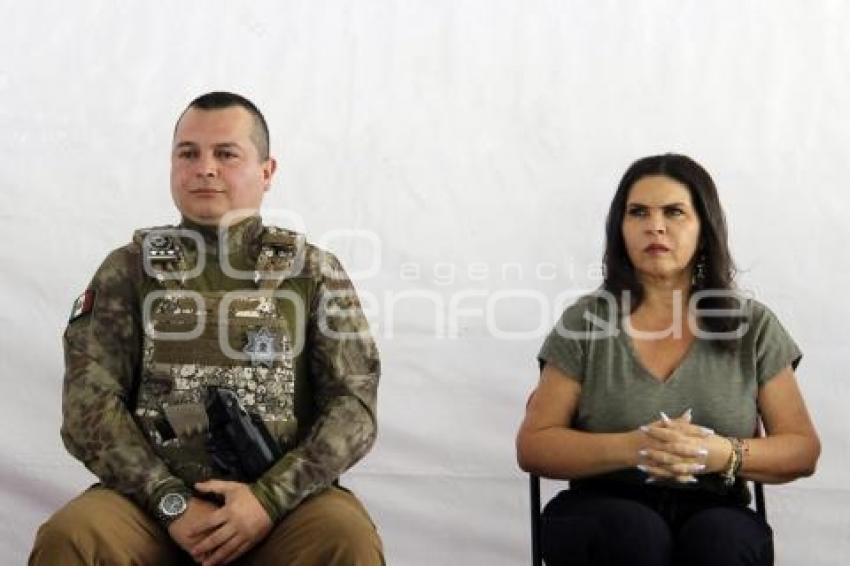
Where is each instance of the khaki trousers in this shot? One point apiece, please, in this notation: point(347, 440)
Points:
point(102, 527)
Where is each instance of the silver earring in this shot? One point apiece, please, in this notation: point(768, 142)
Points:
point(700, 270)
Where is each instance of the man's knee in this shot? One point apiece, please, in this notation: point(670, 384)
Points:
point(347, 530)
point(101, 526)
point(353, 544)
point(330, 528)
point(67, 533)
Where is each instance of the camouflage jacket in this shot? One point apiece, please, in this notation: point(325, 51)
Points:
point(150, 334)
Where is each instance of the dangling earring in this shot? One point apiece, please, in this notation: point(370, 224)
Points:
point(700, 272)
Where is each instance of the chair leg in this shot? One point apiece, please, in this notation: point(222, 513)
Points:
point(534, 497)
point(759, 493)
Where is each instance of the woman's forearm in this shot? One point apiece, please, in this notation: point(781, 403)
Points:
point(563, 453)
point(780, 458)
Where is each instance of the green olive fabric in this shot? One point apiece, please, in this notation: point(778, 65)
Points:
point(618, 394)
point(315, 384)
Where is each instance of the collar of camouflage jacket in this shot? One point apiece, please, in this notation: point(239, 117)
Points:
point(243, 236)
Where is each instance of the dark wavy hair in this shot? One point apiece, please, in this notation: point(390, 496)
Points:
point(713, 249)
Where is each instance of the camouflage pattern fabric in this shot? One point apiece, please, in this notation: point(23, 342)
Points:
point(288, 335)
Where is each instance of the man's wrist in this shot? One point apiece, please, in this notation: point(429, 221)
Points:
point(171, 505)
point(266, 501)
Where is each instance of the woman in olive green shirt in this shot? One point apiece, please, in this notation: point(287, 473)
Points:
point(651, 389)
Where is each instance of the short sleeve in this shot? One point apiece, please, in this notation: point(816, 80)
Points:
point(566, 345)
point(774, 347)
point(564, 353)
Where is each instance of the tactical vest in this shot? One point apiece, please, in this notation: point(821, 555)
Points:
point(249, 341)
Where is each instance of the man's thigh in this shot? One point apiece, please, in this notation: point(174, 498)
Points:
point(100, 526)
point(330, 528)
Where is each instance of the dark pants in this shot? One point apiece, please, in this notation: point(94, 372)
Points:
point(607, 525)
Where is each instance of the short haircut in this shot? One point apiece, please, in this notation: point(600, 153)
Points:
point(217, 100)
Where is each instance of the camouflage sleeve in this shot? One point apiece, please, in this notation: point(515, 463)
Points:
point(345, 368)
point(102, 353)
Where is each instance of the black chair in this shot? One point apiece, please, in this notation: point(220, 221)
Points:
point(534, 496)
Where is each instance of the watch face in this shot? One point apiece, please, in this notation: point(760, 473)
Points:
point(173, 504)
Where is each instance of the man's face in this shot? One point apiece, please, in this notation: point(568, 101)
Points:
point(215, 166)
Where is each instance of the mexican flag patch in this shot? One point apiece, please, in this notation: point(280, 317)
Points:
point(83, 305)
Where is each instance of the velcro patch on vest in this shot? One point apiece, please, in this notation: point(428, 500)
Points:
point(188, 419)
point(83, 305)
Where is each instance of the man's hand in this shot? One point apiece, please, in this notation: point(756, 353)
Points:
point(231, 530)
point(183, 529)
point(679, 450)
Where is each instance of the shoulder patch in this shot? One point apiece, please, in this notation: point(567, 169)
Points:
point(83, 305)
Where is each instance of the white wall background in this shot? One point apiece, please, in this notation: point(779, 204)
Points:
point(465, 134)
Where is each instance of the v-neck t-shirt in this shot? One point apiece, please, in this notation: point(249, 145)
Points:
point(619, 394)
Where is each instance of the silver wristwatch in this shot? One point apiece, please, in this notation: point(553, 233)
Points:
point(171, 506)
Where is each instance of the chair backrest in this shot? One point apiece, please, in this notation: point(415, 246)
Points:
point(534, 498)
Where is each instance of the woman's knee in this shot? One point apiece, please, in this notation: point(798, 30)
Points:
point(725, 535)
point(604, 530)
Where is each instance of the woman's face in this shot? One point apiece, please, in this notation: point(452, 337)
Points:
point(661, 228)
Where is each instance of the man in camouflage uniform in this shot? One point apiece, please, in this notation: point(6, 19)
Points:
point(224, 301)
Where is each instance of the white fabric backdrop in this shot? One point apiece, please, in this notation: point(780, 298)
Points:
point(479, 141)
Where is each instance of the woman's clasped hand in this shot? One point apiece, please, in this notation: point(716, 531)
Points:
point(675, 449)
